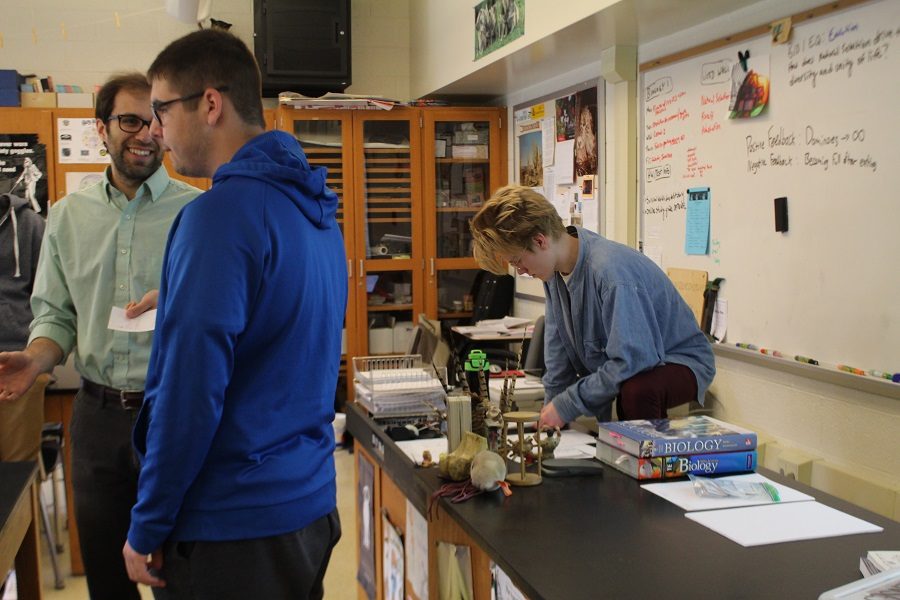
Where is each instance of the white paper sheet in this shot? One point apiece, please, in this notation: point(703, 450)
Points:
point(575, 444)
point(548, 139)
point(681, 493)
point(414, 448)
point(416, 548)
point(565, 162)
point(776, 523)
point(119, 322)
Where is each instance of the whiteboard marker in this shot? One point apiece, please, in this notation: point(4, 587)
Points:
point(881, 374)
point(850, 369)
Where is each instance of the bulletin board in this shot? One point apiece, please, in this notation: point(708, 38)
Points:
point(557, 151)
point(818, 277)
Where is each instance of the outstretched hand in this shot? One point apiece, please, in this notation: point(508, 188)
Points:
point(17, 373)
point(148, 302)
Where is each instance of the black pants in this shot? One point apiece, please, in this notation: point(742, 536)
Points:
point(290, 566)
point(104, 479)
point(650, 395)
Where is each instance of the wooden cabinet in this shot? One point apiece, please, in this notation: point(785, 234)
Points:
point(409, 180)
point(466, 163)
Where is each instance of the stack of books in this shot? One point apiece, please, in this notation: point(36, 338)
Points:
point(665, 448)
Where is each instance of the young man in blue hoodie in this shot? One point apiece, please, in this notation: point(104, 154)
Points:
point(236, 496)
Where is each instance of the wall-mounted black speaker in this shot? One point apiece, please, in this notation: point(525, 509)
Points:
point(302, 45)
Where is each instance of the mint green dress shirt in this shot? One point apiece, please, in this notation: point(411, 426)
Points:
point(101, 250)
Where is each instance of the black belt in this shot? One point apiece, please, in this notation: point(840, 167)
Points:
point(128, 400)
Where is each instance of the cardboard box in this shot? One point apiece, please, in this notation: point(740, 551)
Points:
point(38, 99)
point(75, 100)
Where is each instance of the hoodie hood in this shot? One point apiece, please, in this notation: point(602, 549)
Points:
point(276, 158)
point(9, 205)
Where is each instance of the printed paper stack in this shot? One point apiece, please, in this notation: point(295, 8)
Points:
point(664, 448)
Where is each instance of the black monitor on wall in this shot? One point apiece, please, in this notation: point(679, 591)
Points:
point(302, 45)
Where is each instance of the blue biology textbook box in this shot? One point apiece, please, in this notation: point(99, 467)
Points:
point(671, 437)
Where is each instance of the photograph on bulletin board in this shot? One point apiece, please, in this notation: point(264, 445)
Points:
point(531, 159)
point(23, 169)
point(565, 118)
point(586, 132)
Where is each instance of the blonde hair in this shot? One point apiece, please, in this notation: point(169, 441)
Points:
point(508, 222)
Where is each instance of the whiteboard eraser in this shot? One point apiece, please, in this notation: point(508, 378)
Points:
point(781, 215)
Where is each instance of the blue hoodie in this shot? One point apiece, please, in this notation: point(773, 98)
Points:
point(235, 435)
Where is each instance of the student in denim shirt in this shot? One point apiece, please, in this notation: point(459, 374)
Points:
point(615, 325)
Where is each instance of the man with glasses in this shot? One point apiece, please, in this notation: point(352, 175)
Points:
point(237, 493)
point(102, 251)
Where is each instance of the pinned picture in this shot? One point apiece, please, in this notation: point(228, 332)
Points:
point(587, 187)
point(531, 159)
point(23, 164)
point(586, 132)
point(565, 118)
point(781, 31)
point(497, 23)
point(749, 87)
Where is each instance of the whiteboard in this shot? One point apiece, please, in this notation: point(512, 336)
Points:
point(829, 140)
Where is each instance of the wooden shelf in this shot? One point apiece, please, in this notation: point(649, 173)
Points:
point(388, 307)
point(470, 161)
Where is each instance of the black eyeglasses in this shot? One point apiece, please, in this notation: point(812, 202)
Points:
point(130, 123)
point(159, 107)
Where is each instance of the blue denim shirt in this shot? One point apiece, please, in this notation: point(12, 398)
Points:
point(627, 318)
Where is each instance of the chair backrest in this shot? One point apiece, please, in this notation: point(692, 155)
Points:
point(493, 296)
point(534, 358)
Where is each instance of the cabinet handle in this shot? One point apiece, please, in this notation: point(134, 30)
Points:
point(349, 269)
point(360, 267)
point(432, 266)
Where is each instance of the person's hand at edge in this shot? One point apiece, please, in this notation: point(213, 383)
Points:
point(148, 302)
point(18, 370)
point(139, 565)
point(550, 418)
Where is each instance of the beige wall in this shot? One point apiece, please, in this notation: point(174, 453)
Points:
point(380, 38)
point(94, 46)
point(442, 36)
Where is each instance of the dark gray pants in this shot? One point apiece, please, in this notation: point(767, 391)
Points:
point(104, 478)
point(290, 566)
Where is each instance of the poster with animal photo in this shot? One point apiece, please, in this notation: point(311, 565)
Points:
point(497, 23)
point(23, 169)
point(586, 132)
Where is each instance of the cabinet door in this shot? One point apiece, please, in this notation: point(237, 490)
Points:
point(326, 137)
point(389, 251)
point(464, 165)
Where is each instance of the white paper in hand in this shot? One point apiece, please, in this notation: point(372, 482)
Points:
point(119, 322)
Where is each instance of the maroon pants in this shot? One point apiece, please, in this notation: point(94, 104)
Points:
point(650, 394)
